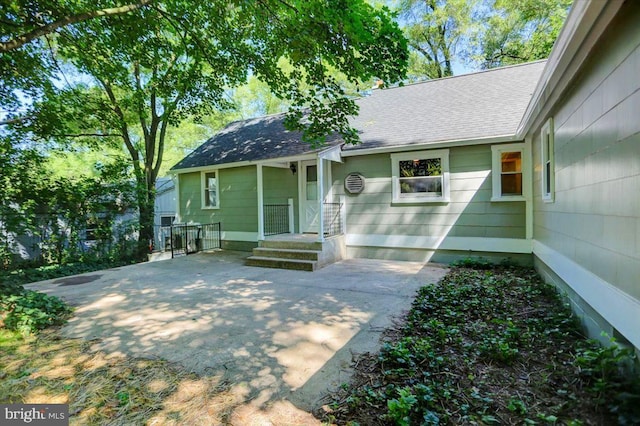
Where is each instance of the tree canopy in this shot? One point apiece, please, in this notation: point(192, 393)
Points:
point(520, 31)
point(478, 33)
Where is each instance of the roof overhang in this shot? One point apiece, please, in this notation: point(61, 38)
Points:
point(583, 27)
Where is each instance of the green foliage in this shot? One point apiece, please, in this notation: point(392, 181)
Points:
point(52, 212)
point(520, 31)
point(29, 311)
point(609, 373)
point(434, 29)
point(492, 345)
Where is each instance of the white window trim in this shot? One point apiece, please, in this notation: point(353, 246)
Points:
point(397, 197)
point(496, 171)
point(547, 130)
point(203, 185)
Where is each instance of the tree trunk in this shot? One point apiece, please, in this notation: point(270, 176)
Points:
point(146, 201)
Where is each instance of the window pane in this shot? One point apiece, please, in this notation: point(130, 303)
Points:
point(312, 173)
point(547, 175)
point(211, 180)
point(312, 190)
point(166, 220)
point(512, 184)
point(211, 197)
point(210, 190)
point(414, 168)
point(421, 185)
point(511, 161)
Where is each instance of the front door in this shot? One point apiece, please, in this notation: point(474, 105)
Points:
point(309, 197)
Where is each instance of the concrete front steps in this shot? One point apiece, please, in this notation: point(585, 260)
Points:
point(297, 251)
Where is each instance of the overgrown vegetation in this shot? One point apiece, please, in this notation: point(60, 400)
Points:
point(54, 220)
point(490, 345)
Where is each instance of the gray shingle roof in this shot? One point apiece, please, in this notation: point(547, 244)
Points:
point(470, 106)
point(261, 138)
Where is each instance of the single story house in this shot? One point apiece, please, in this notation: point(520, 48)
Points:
point(538, 162)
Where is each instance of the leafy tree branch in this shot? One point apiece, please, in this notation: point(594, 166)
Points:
point(49, 28)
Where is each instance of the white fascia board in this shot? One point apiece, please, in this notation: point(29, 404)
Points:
point(431, 145)
point(332, 154)
point(424, 242)
point(620, 310)
point(586, 22)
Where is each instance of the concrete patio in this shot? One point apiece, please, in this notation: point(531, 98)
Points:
point(282, 338)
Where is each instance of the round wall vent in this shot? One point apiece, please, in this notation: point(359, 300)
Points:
point(354, 183)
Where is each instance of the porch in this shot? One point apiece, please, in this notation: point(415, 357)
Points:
point(306, 205)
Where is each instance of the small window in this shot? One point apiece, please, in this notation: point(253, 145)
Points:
point(508, 177)
point(420, 177)
point(210, 198)
point(547, 160)
point(167, 220)
point(96, 229)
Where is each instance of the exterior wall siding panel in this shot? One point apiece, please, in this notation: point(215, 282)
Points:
point(595, 218)
point(470, 213)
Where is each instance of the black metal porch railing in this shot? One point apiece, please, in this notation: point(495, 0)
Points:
point(276, 219)
point(332, 219)
point(188, 239)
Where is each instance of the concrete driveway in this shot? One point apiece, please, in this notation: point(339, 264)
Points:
point(285, 337)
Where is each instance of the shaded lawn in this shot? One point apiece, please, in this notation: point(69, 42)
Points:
point(103, 389)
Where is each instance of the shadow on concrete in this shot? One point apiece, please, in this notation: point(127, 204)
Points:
point(283, 339)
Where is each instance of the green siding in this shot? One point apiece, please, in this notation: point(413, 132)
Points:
point(238, 210)
point(470, 213)
point(238, 200)
point(595, 218)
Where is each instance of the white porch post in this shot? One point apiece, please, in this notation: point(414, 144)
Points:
point(260, 203)
point(292, 227)
point(320, 200)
